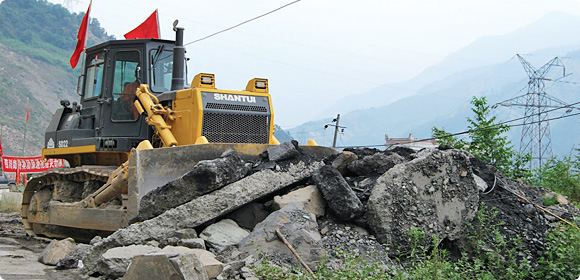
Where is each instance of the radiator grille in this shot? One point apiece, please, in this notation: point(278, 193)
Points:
point(235, 128)
point(236, 107)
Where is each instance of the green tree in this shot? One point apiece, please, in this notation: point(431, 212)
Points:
point(488, 142)
point(446, 139)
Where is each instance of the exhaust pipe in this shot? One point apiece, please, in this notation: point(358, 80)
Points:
point(178, 80)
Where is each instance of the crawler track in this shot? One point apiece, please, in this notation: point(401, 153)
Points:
point(40, 192)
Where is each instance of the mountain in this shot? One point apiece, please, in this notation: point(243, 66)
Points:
point(36, 41)
point(442, 97)
point(553, 29)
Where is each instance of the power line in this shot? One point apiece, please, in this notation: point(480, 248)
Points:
point(568, 82)
point(242, 23)
point(554, 109)
point(459, 133)
point(468, 131)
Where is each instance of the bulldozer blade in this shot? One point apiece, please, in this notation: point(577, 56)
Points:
point(153, 168)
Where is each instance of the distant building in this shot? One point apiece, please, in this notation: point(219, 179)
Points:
point(411, 142)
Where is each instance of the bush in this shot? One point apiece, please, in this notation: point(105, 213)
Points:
point(562, 257)
point(491, 255)
point(561, 176)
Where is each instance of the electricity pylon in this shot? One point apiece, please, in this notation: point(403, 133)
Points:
point(535, 139)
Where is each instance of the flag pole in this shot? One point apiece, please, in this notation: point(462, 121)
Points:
point(25, 125)
point(79, 90)
point(157, 19)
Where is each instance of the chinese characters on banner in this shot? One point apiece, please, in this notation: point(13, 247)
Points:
point(29, 164)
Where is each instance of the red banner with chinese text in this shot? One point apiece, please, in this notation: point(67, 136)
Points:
point(29, 164)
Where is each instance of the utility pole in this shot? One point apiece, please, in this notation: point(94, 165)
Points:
point(336, 127)
point(536, 139)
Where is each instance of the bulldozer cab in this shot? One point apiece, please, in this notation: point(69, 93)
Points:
point(106, 119)
point(111, 82)
point(113, 72)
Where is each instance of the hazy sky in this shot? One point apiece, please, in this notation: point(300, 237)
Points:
point(317, 51)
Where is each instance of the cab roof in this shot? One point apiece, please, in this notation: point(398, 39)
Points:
point(128, 43)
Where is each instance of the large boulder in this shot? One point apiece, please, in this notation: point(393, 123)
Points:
point(298, 226)
point(206, 176)
point(435, 193)
point(56, 250)
point(341, 199)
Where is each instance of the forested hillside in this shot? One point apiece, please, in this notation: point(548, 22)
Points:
point(43, 30)
point(37, 39)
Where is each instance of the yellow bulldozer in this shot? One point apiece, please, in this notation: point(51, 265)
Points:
point(138, 126)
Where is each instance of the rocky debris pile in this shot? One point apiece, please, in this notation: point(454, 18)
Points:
point(436, 194)
point(206, 176)
point(362, 202)
point(11, 226)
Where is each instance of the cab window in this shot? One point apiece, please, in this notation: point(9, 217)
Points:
point(124, 86)
point(161, 69)
point(94, 76)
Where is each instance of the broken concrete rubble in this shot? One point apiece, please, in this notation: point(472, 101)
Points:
point(300, 228)
point(343, 160)
point(376, 163)
point(202, 209)
point(223, 234)
point(390, 193)
point(284, 151)
point(190, 267)
point(161, 267)
point(309, 196)
point(341, 199)
point(436, 194)
point(206, 176)
point(72, 259)
point(193, 243)
point(56, 250)
point(114, 262)
point(185, 233)
point(207, 260)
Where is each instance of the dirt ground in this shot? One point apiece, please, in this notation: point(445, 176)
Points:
point(19, 253)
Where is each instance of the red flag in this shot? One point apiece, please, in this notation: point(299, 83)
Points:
point(27, 112)
point(81, 37)
point(148, 29)
point(1, 153)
